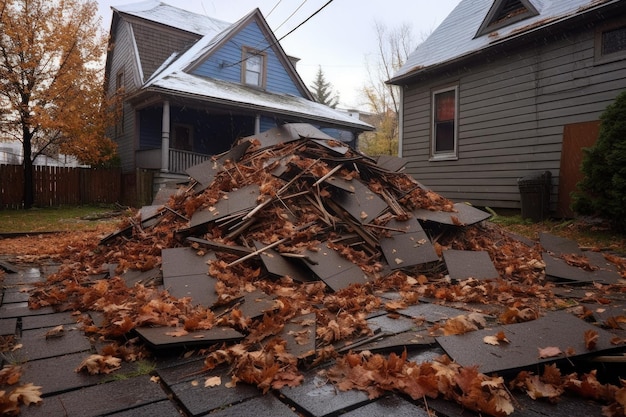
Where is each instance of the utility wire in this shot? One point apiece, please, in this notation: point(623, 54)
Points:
point(282, 37)
point(273, 8)
point(291, 15)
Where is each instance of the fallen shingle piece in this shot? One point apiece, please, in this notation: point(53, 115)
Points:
point(557, 329)
point(464, 264)
point(463, 215)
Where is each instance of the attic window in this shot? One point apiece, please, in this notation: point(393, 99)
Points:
point(610, 41)
point(253, 68)
point(506, 12)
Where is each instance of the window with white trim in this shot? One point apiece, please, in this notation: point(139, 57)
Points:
point(253, 68)
point(444, 123)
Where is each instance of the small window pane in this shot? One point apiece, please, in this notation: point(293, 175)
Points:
point(445, 137)
point(254, 68)
point(614, 41)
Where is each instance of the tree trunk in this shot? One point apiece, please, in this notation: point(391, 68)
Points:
point(27, 165)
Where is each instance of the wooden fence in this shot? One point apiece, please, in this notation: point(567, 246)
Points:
point(57, 186)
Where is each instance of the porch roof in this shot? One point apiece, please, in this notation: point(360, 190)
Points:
point(226, 94)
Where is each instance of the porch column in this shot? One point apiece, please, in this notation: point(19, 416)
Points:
point(257, 124)
point(165, 138)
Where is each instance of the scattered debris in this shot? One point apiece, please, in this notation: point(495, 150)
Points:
point(292, 249)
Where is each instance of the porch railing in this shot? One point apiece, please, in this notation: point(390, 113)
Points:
point(181, 160)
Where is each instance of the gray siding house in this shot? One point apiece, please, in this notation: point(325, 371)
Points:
point(506, 89)
point(188, 86)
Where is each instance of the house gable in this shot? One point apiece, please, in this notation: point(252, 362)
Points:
point(506, 12)
point(226, 59)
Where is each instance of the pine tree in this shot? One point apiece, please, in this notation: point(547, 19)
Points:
point(322, 90)
point(51, 94)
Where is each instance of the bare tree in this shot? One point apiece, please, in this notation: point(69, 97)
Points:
point(394, 46)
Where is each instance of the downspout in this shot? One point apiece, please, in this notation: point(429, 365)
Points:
point(257, 124)
point(401, 122)
point(165, 138)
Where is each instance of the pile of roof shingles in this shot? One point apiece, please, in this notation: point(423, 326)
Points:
point(290, 214)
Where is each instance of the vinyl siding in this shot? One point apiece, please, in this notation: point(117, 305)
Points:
point(123, 60)
point(156, 43)
point(512, 110)
point(225, 63)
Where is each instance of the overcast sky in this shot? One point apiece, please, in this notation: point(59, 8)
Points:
point(340, 38)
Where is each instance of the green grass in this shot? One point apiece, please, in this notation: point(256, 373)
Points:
point(54, 219)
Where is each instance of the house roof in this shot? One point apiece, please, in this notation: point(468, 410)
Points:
point(174, 77)
point(455, 39)
point(226, 93)
point(165, 14)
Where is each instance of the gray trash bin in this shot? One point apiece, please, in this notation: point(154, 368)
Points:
point(535, 195)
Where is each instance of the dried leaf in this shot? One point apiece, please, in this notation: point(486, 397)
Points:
point(591, 339)
point(213, 381)
point(177, 333)
point(549, 352)
point(99, 364)
point(26, 394)
point(56, 332)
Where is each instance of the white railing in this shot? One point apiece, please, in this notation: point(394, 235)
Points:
point(181, 160)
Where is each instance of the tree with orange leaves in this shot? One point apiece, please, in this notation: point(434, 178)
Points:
point(51, 82)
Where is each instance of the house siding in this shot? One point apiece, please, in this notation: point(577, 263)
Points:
point(123, 60)
point(225, 63)
point(512, 111)
point(156, 43)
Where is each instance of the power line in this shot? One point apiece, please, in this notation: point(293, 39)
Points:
point(282, 37)
point(305, 20)
point(291, 15)
point(273, 8)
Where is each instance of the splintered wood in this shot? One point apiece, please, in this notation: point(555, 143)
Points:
point(293, 249)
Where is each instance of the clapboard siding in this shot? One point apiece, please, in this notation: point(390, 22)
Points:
point(513, 107)
point(155, 43)
point(124, 61)
point(225, 63)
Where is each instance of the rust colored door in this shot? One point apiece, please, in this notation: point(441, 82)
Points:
point(576, 136)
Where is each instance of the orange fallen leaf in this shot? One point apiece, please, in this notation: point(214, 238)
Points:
point(591, 339)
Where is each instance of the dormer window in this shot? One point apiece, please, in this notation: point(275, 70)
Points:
point(253, 68)
point(506, 12)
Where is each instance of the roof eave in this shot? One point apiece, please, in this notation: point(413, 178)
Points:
point(517, 36)
point(150, 92)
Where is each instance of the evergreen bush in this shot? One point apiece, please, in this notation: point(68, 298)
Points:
point(602, 191)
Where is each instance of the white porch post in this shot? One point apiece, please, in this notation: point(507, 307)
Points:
point(165, 138)
point(257, 124)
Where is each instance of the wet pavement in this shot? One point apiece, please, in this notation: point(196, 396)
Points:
point(172, 384)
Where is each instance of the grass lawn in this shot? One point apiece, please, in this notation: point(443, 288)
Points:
point(59, 219)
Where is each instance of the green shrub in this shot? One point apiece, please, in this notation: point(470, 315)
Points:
point(602, 191)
